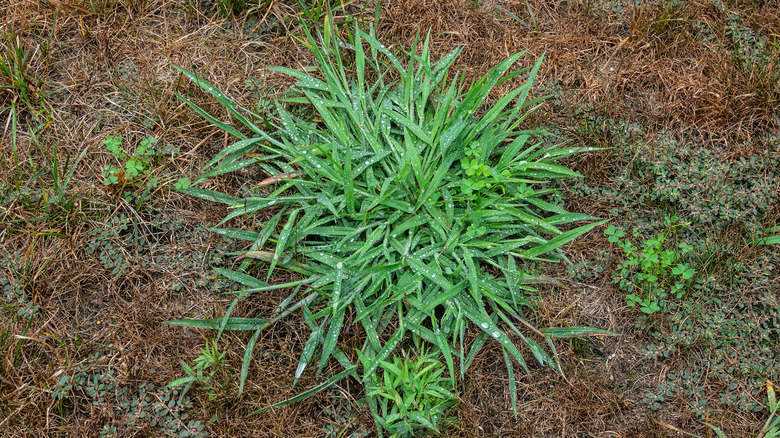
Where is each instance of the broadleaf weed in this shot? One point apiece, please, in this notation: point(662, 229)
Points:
point(150, 409)
point(135, 167)
point(721, 335)
point(651, 272)
point(134, 164)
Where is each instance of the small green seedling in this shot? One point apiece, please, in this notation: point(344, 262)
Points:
point(136, 168)
point(182, 184)
point(475, 229)
point(211, 361)
point(135, 165)
point(478, 176)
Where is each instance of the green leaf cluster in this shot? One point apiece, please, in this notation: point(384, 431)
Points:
point(150, 409)
point(135, 164)
point(651, 273)
point(368, 206)
point(136, 169)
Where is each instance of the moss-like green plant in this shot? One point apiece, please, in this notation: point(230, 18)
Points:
point(151, 408)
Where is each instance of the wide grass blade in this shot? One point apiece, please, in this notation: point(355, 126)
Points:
point(562, 239)
point(228, 324)
point(512, 383)
point(308, 393)
point(490, 328)
point(225, 101)
point(575, 332)
point(337, 317)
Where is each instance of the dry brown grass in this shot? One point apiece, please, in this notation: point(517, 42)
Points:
point(644, 64)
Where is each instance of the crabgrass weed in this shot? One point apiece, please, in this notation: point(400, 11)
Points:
point(413, 394)
point(403, 204)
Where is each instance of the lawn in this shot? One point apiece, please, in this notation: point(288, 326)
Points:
point(463, 218)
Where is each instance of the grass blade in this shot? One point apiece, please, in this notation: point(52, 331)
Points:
point(562, 239)
point(308, 352)
point(231, 324)
point(575, 332)
point(308, 393)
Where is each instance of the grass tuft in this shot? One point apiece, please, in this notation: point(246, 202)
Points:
point(401, 203)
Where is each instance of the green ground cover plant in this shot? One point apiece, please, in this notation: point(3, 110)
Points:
point(408, 207)
point(771, 427)
point(149, 409)
point(15, 302)
point(722, 331)
point(160, 243)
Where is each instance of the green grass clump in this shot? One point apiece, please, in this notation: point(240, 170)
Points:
point(406, 207)
point(413, 394)
point(16, 79)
